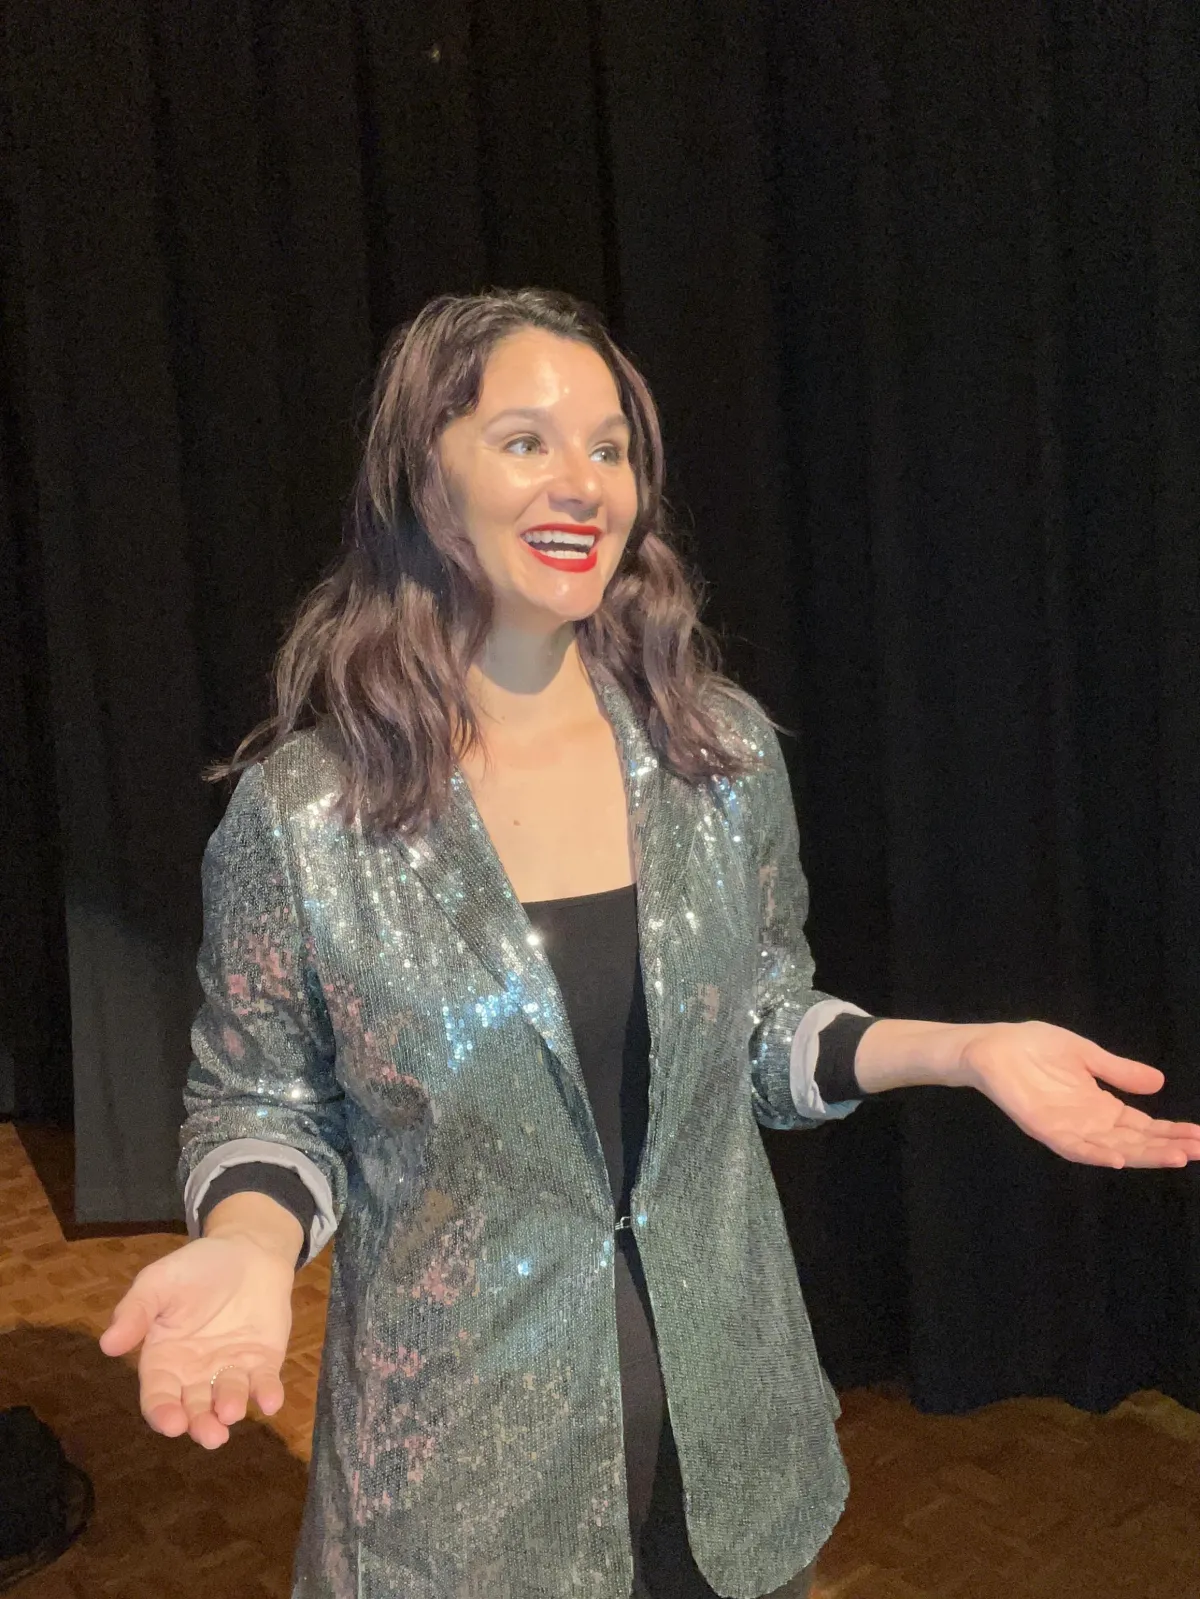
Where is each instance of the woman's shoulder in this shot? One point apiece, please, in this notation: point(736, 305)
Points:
point(744, 723)
point(296, 779)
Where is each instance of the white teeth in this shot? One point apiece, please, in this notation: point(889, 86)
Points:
point(576, 541)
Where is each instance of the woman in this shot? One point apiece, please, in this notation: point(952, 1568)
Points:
point(504, 961)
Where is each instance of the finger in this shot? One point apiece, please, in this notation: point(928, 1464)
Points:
point(1136, 1124)
point(166, 1416)
point(267, 1390)
point(206, 1428)
point(1133, 1128)
point(1133, 1076)
point(1088, 1152)
point(164, 1411)
point(208, 1431)
point(1186, 1132)
point(230, 1395)
point(161, 1402)
point(131, 1321)
point(1177, 1143)
point(1184, 1149)
point(1118, 1150)
point(1155, 1158)
point(1160, 1152)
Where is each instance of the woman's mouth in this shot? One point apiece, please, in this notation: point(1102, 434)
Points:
point(565, 549)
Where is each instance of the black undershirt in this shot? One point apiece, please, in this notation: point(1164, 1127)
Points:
point(591, 941)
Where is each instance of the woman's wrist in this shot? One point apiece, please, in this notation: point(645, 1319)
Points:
point(257, 1219)
point(906, 1054)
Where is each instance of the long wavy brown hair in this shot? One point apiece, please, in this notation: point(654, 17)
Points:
point(378, 652)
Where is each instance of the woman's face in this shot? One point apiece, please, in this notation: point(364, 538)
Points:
point(540, 474)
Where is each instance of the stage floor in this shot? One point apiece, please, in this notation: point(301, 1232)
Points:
point(1029, 1499)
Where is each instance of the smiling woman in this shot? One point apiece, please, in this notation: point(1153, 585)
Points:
point(495, 416)
point(504, 964)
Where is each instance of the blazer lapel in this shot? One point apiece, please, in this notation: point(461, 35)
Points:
point(457, 863)
point(665, 817)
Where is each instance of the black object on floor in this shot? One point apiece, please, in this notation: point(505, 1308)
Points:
point(45, 1501)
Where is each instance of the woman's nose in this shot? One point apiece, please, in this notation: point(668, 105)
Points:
point(577, 481)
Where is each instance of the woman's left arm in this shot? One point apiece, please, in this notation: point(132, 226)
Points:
point(1045, 1078)
point(789, 1017)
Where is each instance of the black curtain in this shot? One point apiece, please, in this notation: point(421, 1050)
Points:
point(916, 288)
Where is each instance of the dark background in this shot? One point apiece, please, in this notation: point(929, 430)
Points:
point(916, 287)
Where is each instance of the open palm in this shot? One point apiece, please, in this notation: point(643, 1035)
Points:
point(1048, 1080)
point(213, 1319)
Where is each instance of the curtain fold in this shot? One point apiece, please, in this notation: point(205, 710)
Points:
point(917, 293)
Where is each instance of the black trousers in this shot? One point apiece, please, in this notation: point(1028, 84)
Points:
point(663, 1564)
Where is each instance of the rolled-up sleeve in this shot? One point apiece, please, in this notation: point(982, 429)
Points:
point(822, 1074)
point(262, 1084)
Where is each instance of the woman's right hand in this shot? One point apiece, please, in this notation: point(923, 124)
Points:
point(213, 1320)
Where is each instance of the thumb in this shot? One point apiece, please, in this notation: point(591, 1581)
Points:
point(1134, 1076)
point(131, 1321)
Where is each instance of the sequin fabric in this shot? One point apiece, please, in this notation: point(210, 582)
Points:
point(383, 1006)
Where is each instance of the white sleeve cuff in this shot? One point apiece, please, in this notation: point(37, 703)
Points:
point(806, 1045)
point(244, 1151)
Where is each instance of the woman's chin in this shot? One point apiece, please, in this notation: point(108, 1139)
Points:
point(567, 598)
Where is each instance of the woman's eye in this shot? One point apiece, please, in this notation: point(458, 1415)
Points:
point(529, 443)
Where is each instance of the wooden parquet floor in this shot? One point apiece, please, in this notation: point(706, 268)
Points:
point(1029, 1499)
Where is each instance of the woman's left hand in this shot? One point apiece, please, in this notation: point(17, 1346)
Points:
point(1048, 1080)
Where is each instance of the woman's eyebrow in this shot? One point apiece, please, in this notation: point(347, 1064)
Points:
point(538, 413)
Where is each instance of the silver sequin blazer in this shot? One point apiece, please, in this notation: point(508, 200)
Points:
point(380, 1016)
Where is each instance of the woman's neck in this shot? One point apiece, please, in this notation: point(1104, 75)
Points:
point(526, 685)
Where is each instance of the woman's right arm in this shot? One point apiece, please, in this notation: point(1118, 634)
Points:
point(262, 1086)
point(214, 1317)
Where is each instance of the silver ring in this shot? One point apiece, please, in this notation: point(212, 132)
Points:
point(212, 1381)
